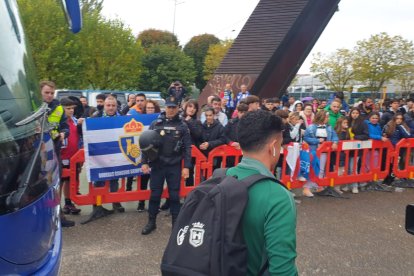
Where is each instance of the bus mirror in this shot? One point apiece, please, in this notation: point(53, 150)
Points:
point(73, 14)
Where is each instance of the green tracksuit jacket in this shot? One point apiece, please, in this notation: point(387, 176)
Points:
point(269, 222)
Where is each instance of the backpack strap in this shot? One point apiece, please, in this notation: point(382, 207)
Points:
point(250, 180)
point(220, 172)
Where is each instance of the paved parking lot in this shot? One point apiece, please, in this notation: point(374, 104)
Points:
point(363, 235)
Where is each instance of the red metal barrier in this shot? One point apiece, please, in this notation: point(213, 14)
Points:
point(200, 172)
point(100, 195)
point(220, 155)
point(404, 149)
point(203, 168)
point(371, 153)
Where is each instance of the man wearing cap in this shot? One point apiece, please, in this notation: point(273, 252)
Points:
point(175, 146)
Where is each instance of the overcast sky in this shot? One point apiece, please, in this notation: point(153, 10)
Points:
point(355, 20)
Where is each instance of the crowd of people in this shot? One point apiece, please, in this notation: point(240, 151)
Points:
point(313, 121)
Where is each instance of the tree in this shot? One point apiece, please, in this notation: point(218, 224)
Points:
point(104, 55)
point(381, 58)
point(406, 79)
point(151, 37)
point(111, 57)
point(335, 70)
point(197, 49)
point(54, 49)
point(163, 64)
point(215, 55)
point(91, 6)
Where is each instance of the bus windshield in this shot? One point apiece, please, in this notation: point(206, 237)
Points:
point(19, 98)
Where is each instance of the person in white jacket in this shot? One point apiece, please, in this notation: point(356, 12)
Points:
point(296, 127)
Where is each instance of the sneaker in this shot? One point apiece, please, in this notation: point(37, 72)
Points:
point(71, 209)
point(345, 188)
point(118, 207)
point(301, 178)
point(319, 189)
point(141, 208)
point(355, 190)
point(338, 190)
point(306, 192)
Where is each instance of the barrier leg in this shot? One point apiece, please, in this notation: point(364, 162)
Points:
point(98, 211)
point(375, 186)
point(403, 183)
point(330, 191)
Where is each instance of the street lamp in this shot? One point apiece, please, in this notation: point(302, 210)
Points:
point(175, 10)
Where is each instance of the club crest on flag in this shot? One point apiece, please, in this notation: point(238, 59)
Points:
point(129, 143)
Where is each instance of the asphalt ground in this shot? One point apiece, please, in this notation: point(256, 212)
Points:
point(362, 235)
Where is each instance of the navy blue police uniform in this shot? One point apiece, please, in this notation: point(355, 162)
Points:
point(175, 146)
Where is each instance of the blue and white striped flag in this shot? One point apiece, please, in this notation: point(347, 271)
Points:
point(49, 162)
point(111, 145)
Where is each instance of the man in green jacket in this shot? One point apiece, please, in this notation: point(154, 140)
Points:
point(333, 110)
point(269, 220)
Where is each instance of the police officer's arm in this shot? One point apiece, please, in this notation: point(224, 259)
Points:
point(186, 146)
point(63, 126)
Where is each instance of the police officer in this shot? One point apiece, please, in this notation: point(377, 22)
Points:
point(175, 146)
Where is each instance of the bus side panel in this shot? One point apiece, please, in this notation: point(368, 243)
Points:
point(34, 235)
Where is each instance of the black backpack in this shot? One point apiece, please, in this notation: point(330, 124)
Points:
point(207, 237)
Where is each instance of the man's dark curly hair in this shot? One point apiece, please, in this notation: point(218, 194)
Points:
point(256, 128)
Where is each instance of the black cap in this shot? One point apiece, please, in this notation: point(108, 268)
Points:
point(67, 102)
point(171, 101)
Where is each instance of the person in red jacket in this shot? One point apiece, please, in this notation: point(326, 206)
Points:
point(70, 146)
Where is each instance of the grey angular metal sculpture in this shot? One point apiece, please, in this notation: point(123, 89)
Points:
point(272, 46)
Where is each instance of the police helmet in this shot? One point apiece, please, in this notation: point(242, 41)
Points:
point(150, 142)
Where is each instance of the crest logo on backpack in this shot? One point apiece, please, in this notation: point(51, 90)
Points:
point(181, 235)
point(197, 234)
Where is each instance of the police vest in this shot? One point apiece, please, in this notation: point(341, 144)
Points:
point(54, 119)
point(170, 140)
